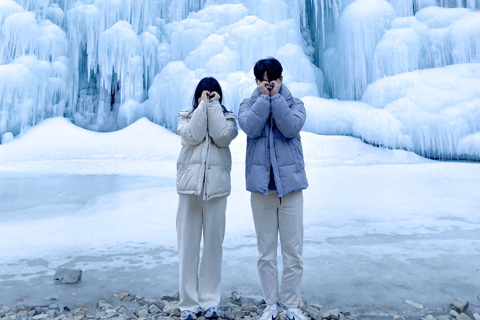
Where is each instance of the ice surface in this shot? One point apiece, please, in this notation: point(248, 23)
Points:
point(381, 226)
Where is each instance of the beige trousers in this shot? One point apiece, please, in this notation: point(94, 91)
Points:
point(200, 287)
point(272, 216)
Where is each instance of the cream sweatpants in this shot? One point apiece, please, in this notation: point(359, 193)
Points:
point(272, 216)
point(200, 287)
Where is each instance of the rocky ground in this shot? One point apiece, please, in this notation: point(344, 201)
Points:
point(126, 306)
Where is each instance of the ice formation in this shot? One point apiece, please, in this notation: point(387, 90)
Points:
point(104, 64)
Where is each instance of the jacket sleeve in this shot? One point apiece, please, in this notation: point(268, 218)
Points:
point(194, 131)
point(289, 120)
point(252, 118)
point(220, 129)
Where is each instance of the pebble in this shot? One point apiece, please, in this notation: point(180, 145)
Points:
point(142, 313)
point(314, 313)
point(459, 305)
point(124, 296)
point(243, 308)
point(453, 314)
point(414, 304)
point(464, 316)
point(331, 314)
point(154, 309)
point(170, 307)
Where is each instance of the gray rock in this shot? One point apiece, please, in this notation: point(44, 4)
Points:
point(453, 314)
point(52, 313)
point(459, 305)
point(314, 313)
point(160, 304)
point(4, 310)
point(68, 276)
point(228, 315)
point(201, 318)
point(331, 314)
point(316, 306)
point(111, 313)
point(249, 308)
point(176, 312)
point(103, 304)
point(54, 306)
point(170, 307)
point(414, 304)
point(250, 300)
point(142, 313)
point(172, 297)
point(444, 318)
point(397, 317)
point(236, 295)
point(476, 316)
point(430, 317)
point(41, 309)
point(153, 309)
point(40, 316)
point(31, 313)
point(464, 316)
point(124, 296)
point(138, 297)
point(239, 314)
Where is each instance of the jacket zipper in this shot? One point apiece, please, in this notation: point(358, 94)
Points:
point(205, 195)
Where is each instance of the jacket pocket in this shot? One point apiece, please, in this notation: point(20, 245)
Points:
point(218, 181)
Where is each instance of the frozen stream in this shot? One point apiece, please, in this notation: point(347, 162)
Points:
point(381, 226)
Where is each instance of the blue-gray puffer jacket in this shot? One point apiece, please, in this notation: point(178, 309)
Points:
point(273, 126)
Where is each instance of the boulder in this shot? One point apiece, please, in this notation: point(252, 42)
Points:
point(68, 276)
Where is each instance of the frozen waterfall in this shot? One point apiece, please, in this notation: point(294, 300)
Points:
point(395, 73)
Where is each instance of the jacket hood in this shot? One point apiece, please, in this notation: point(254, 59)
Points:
point(284, 92)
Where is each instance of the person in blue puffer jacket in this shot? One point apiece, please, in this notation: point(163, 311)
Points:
point(275, 175)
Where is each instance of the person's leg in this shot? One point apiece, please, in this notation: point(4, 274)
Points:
point(264, 209)
point(290, 217)
point(189, 233)
point(211, 264)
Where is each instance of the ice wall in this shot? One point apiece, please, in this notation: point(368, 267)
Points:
point(105, 63)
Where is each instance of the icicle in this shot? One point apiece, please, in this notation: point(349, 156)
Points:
point(120, 54)
point(7, 8)
point(348, 69)
point(23, 35)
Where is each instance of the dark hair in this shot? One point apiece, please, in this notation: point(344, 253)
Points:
point(210, 84)
point(272, 66)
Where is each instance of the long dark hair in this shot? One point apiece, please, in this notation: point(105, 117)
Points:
point(210, 84)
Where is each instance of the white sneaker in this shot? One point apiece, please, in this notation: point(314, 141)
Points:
point(212, 312)
point(188, 315)
point(269, 314)
point(295, 314)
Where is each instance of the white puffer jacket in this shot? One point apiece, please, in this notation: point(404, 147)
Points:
point(205, 157)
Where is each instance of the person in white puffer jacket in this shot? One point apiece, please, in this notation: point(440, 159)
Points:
point(203, 184)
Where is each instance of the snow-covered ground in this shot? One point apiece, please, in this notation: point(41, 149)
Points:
point(381, 226)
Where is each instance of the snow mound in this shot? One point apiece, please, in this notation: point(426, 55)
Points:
point(59, 139)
